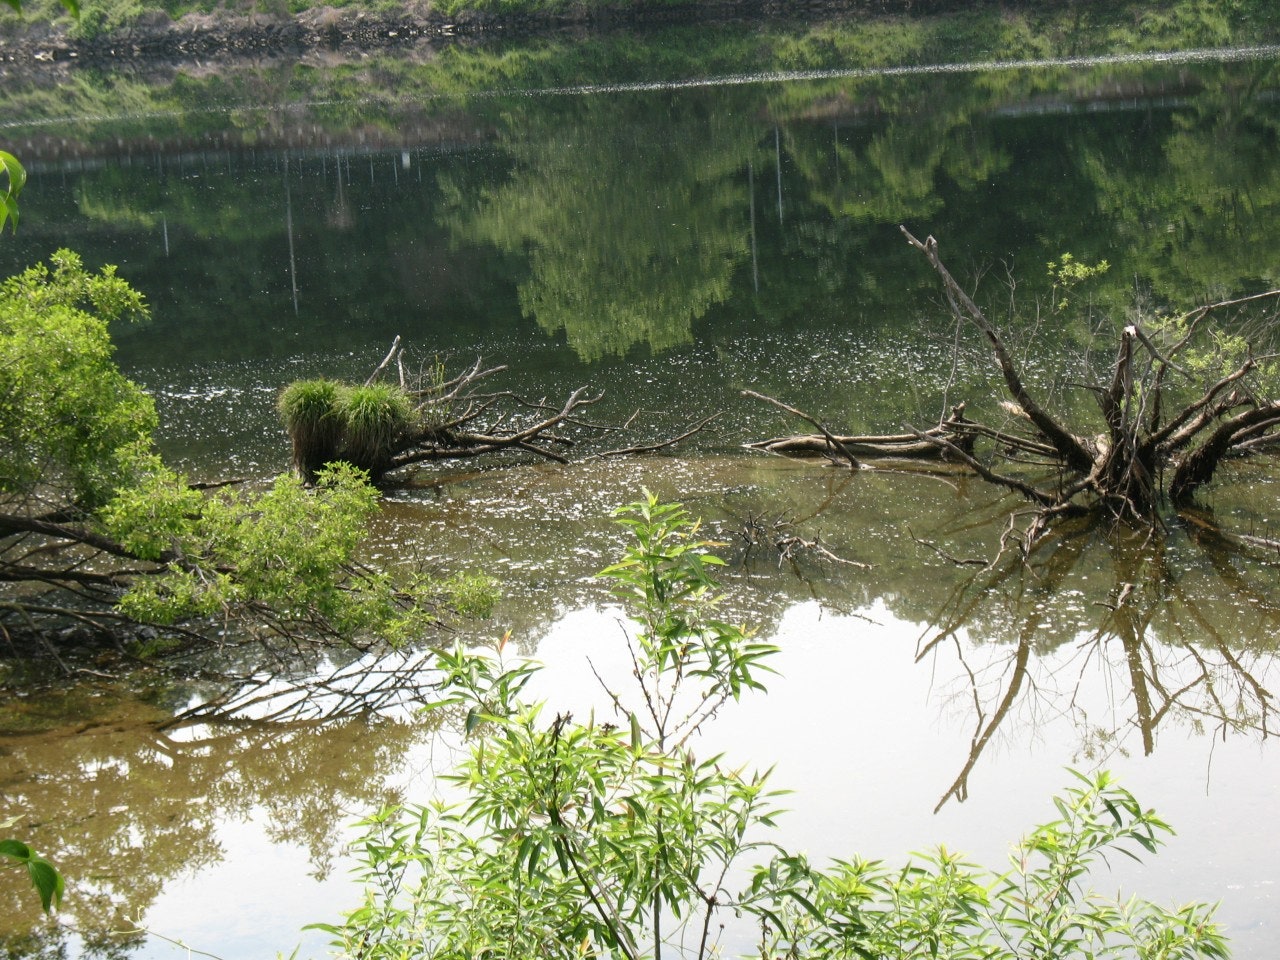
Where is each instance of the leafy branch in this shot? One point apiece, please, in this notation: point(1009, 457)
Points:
point(594, 840)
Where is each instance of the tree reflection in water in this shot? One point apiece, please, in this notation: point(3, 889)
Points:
point(134, 798)
point(1172, 631)
point(1158, 644)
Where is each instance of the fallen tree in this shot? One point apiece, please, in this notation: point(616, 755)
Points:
point(423, 415)
point(1145, 451)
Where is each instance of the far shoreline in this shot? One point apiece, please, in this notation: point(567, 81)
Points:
point(154, 39)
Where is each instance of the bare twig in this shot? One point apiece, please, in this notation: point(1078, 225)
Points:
point(1028, 491)
point(663, 444)
point(958, 561)
point(392, 354)
point(831, 439)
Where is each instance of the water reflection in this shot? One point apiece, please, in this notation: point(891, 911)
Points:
point(1168, 621)
point(633, 217)
point(661, 218)
point(1099, 652)
point(1177, 627)
point(127, 804)
point(379, 683)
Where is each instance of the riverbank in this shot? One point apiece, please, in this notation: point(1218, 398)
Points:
point(154, 37)
point(110, 35)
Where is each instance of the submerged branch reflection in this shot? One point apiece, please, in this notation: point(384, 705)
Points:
point(385, 684)
point(1160, 654)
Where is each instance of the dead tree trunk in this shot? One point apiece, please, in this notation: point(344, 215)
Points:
point(1122, 471)
point(426, 418)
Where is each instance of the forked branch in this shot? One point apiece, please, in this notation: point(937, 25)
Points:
point(1073, 450)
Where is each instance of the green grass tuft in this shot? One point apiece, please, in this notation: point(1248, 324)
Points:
point(310, 411)
point(374, 418)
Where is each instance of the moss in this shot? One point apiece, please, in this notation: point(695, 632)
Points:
point(157, 647)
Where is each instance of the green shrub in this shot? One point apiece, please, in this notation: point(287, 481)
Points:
point(578, 840)
point(73, 425)
point(101, 17)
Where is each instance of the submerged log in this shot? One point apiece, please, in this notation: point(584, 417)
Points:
point(816, 445)
point(911, 446)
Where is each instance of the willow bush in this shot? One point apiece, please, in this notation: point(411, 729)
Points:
point(98, 533)
point(616, 839)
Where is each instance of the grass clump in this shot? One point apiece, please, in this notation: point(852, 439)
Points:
point(310, 411)
point(374, 418)
point(327, 421)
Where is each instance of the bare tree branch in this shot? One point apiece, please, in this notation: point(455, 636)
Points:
point(1072, 448)
point(831, 439)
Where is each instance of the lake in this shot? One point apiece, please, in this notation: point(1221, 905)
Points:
point(673, 240)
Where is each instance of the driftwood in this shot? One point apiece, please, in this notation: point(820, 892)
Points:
point(1122, 469)
point(831, 444)
point(1141, 455)
point(955, 430)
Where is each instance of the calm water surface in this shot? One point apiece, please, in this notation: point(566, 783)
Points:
point(673, 247)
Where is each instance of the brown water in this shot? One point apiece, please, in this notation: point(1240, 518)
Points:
point(888, 678)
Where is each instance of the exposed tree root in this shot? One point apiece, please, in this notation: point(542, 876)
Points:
point(1140, 457)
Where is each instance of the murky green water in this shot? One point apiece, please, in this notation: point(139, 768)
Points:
point(673, 247)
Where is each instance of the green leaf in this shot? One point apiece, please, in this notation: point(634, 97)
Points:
point(17, 179)
point(562, 856)
point(47, 881)
point(807, 904)
point(329, 928)
point(535, 857)
point(14, 171)
point(44, 876)
point(15, 849)
point(8, 210)
point(1111, 809)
